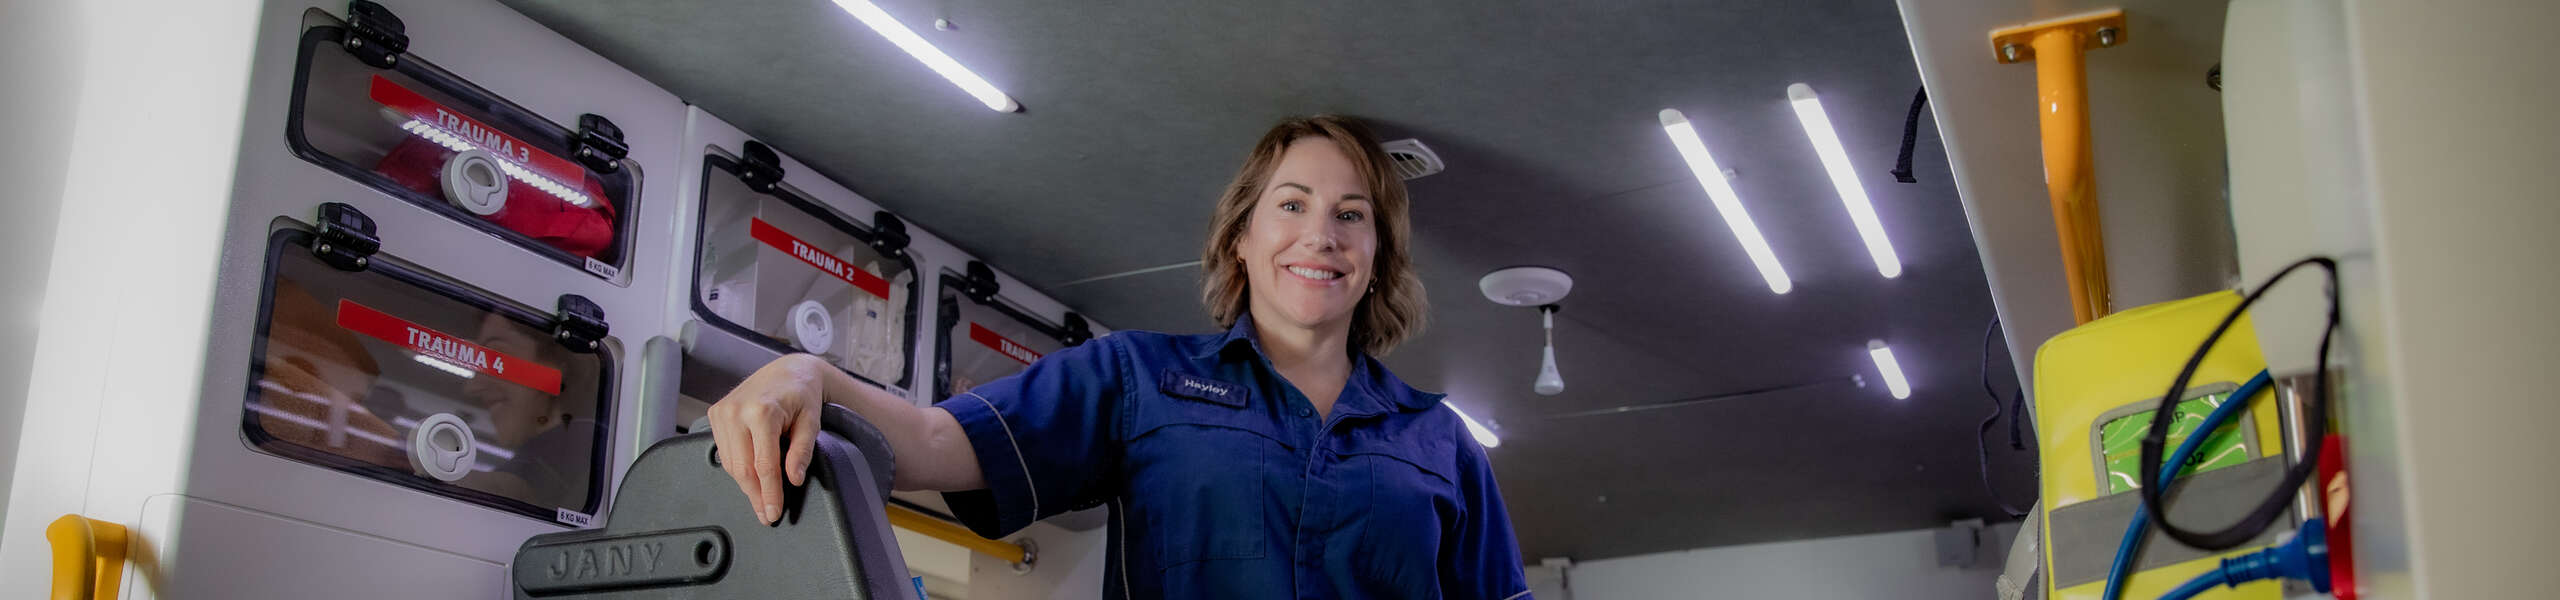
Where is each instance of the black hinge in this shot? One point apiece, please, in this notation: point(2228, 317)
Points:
point(759, 167)
point(888, 234)
point(1076, 332)
point(599, 144)
point(982, 284)
point(374, 35)
point(346, 237)
point(580, 324)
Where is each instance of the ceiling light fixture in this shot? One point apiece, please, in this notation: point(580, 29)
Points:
point(1826, 143)
point(1729, 204)
point(1549, 382)
point(1482, 435)
point(1892, 370)
point(907, 40)
point(1533, 286)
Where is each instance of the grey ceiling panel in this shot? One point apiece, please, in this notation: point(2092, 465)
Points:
point(1138, 112)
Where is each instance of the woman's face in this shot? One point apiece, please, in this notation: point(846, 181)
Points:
point(1309, 244)
point(519, 412)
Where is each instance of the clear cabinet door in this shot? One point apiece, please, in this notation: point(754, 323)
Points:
point(397, 374)
point(784, 271)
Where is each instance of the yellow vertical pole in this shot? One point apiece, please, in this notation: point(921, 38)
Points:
point(2058, 47)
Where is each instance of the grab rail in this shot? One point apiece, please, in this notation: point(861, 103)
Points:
point(88, 557)
point(910, 520)
point(2059, 48)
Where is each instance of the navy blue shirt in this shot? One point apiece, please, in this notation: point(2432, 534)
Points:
point(1224, 483)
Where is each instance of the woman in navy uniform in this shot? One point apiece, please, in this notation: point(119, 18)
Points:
point(1278, 459)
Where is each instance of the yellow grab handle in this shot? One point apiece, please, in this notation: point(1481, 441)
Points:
point(910, 520)
point(88, 557)
point(2062, 110)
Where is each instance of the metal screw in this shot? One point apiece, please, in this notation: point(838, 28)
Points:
point(2106, 37)
point(361, 262)
point(323, 248)
point(393, 59)
point(944, 25)
point(2009, 52)
point(355, 43)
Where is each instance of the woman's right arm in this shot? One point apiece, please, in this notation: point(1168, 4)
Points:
point(780, 403)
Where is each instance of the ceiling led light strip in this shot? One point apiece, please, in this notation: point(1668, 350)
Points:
point(1891, 369)
point(456, 143)
point(1727, 202)
point(1826, 143)
point(932, 57)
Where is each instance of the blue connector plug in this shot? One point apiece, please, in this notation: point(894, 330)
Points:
point(2305, 557)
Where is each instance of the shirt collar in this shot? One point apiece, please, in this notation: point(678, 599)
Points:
point(1241, 333)
point(1372, 379)
point(1374, 388)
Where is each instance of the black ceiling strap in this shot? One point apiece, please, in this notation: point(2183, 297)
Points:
point(1910, 135)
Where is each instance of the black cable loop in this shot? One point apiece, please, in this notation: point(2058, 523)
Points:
point(2274, 505)
point(1982, 447)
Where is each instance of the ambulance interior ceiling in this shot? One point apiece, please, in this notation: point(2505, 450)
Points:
point(1136, 114)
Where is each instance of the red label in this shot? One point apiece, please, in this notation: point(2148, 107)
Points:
point(1001, 345)
point(462, 129)
point(789, 244)
point(445, 347)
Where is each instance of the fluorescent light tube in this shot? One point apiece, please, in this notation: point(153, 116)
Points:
point(1483, 436)
point(1826, 143)
point(1727, 203)
point(1892, 370)
point(932, 57)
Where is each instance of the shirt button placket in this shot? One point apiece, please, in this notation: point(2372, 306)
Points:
point(1310, 575)
point(1317, 509)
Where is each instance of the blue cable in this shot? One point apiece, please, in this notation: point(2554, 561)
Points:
point(2305, 557)
point(2132, 542)
point(2195, 587)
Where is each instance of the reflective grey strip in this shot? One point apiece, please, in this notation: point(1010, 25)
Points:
point(2085, 535)
point(1118, 509)
point(1018, 458)
point(1518, 596)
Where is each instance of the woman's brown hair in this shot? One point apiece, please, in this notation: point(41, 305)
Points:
point(1392, 314)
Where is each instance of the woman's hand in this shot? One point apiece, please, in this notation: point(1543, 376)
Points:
point(779, 403)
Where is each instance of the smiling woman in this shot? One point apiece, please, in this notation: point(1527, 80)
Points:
point(1205, 446)
point(1371, 205)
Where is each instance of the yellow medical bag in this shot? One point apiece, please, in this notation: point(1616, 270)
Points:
point(2095, 388)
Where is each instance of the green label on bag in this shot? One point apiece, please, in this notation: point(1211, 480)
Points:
point(2122, 441)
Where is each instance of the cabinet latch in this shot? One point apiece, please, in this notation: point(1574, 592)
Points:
point(374, 35)
point(599, 144)
point(346, 237)
point(759, 167)
point(580, 324)
point(888, 234)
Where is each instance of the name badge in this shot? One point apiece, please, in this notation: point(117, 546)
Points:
point(1202, 389)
